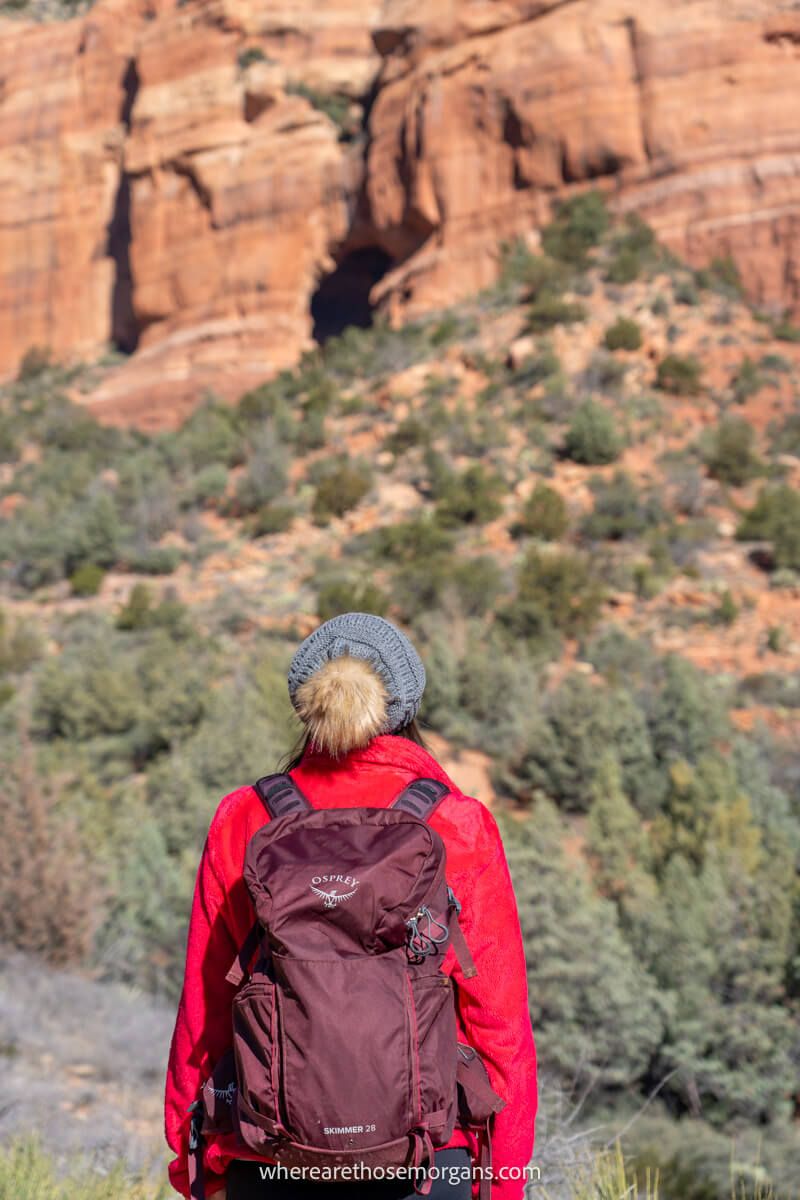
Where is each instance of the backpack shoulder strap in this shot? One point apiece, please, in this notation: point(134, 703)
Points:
point(280, 796)
point(421, 797)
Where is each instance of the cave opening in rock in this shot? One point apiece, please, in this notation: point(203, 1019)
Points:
point(343, 297)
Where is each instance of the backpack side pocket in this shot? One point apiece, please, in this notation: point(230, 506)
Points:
point(477, 1099)
point(255, 1047)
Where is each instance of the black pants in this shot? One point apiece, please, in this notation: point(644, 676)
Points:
point(453, 1183)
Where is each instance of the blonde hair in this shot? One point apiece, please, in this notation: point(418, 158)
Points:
point(343, 705)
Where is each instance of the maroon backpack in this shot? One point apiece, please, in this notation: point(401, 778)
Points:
point(344, 1036)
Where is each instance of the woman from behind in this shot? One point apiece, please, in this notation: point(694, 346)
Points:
point(356, 684)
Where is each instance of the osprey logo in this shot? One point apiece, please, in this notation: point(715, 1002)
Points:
point(345, 888)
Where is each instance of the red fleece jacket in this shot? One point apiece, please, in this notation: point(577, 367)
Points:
point(492, 1007)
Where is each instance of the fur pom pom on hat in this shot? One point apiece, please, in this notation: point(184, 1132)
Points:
point(355, 676)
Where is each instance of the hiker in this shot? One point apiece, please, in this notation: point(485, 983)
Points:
point(356, 684)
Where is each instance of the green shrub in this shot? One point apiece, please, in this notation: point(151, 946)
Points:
point(137, 611)
point(592, 437)
point(418, 540)
point(660, 307)
point(535, 369)
point(548, 310)
point(209, 484)
point(632, 250)
point(35, 361)
point(272, 518)
point(250, 55)
point(686, 292)
point(785, 331)
point(727, 611)
point(210, 436)
point(478, 582)
point(20, 646)
point(747, 380)
point(339, 491)
point(86, 580)
point(721, 275)
point(682, 376)
point(544, 515)
point(409, 433)
point(471, 497)
point(336, 107)
point(341, 596)
point(786, 438)
point(579, 225)
point(555, 591)
point(265, 476)
point(153, 560)
point(624, 266)
point(624, 334)
point(620, 511)
point(731, 457)
point(775, 517)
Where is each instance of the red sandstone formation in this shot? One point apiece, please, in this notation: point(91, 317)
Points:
point(169, 182)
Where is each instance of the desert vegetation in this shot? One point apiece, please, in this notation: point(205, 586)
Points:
point(582, 498)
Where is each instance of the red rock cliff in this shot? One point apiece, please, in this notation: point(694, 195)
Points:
point(168, 181)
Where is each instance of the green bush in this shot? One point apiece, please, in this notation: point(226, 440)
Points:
point(152, 560)
point(682, 376)
point(592, 437)
point(34, 363)
point(471, 497)
point(339, 491)
point(209, 484)
point(265, 476)
point(86, 580)
point(544, 515)
point(250, 55)
point(620, 510)
point(409, 433)
point(272, 518)
point(336, 107)
point(747, 381)
point(210, 435)
point(786, 438)
point(341, 596)
point(418, 540)
point(731, 457)
point(786, 331)
point(548, 310)
point(775, 517)
point(632, 250)
point(686, 292)
point(579, 225)
point(624, 266)
point(721, 275)
point(624, 334)
point(478, 582)
point(137, 611)
point(555, 591)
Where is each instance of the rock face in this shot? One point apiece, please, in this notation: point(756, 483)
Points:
point(684, 112)
point(170, 183)
point(62, 108)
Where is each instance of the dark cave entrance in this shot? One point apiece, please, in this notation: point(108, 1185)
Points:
point(342, 297)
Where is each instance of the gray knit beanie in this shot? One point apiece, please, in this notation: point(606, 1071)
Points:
point(364, 635)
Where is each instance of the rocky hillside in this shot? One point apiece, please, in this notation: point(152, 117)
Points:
point(211, 186)
point(579, 489)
